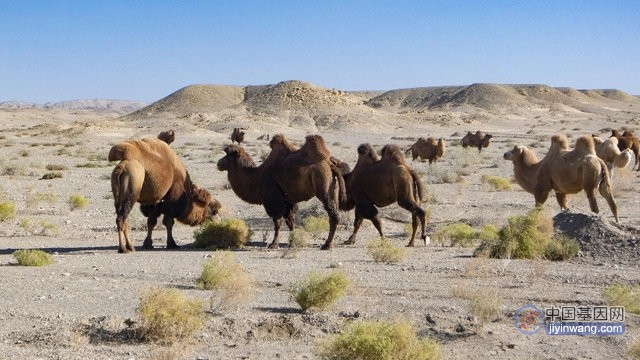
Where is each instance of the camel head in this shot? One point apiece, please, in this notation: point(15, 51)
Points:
point(486, 140)
point(234, 155)
point(627, 133)
point(516, 153)
point(203, 206)
point(167, 136)
point(615, 133)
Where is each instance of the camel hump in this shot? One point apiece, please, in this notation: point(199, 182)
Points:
point(391, 152)
point(315, 149)
point(585, 145)
point(559, 142)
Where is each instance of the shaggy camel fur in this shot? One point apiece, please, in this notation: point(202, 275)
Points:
point(375, 183)
point(478, 140)
point(564, 171)
point(427, 149)
point(627, 140)
point(286, 177)
point(608, 151)
point(237, 135)
point(150, 173)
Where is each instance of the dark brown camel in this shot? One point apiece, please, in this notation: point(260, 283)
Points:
point(627, 140)
point(478, 140)
point(150, 173)
point(237, 135)
point(375, 183)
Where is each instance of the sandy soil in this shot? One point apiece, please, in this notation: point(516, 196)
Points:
point(83, 305)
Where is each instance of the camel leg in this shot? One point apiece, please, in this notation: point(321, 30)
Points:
point(541, 195)
point(416, 213)
point(332, 211)
point(152, 221)
point(593, 203)
point(562, 201)
point(277, 222)
point(356, 226)
point(168, 222)
point(124, 244)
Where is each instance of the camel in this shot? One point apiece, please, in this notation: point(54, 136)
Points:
point(627, 140)
point(167, 136)
point(150, 173)
point(376, 183)
point(427, 149)
point(288, 176)
point(564, 171)
point(237, 135)
point(478, 140)
point(608, 151)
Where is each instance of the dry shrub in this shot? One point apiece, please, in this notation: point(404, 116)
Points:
point(460, 234)
point(30, 257)
point(485, 305)
point(498, 183)
point(384, 340)
point(57, 167)
point(77, 201)
point(40, 228)
point(35, 198)
point(7, 211)
point(298, 239)
point(52, 175)
point(624, 295)
point(383, 250)
point(225, 234)
point(230, 282)
point(315, 224)
point(634, 349)
point(168, 316)
point(319, 291)
point(529, 237)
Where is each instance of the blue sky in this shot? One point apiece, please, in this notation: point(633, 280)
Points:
point(145, 50)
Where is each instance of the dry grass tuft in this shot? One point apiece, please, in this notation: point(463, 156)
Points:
point(30, 257)
point(230, 282)
point(383, 250)
point(225, 234)
point(624, 295)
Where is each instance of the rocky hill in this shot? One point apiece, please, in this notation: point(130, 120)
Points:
point(99, 105)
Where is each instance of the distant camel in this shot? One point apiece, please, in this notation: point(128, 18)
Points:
point(478, 140)
point(375, 183)
point(167, 136)
point(150, 173)
point(627, 140)
point(608, 151)
point(564, 171)
point(286, 177)
point(237, 135)
point(427, 149)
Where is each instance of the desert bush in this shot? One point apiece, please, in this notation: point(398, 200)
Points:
point(228, 279)
point(52, 175)
point(31, 257)
point(77, 201)
point(316, 224)
point(497, 182)
point(14, 170)
point(228, 233)
point(528, 237)
point(384, 340)
point(42, 228)
point(383, 250)
point(624, 295)
point(168, 316)
point(298, 239)
point(460, 234)
point(7, 211)
point(319, 291)
point(56, 167)
point(35, 198)
point(484, 305)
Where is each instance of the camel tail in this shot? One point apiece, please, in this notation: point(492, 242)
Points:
point(122, 196)
point(418, 188)
point(342, 188)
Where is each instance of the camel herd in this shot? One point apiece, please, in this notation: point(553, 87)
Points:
point(150, 173)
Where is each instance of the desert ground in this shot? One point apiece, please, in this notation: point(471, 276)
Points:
point(83, 306)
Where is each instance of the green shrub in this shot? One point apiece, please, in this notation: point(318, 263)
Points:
point(383, 250)
point(497, 182)
point(7, 211)
point(380, 340)
point(319, 291)
point(624, 295)
point(227, 278)
point(30, 257)
point(167, 315)
point(299, 238)
point(228, 233)
point(489, 232)
point(459, 234)
point(77, 202)
point(528, 237)
point(315, 224)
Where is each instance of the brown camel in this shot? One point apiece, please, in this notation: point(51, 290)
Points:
point(167, 136)
point(427, 149)
point(564, 171)
point(627, 140)
point(286, 177)
point(376, 183)
point(237, 135)
point(478, 140)
point(150, 173)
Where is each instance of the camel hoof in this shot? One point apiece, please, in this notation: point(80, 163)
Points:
point(348, 242)
point(173, 246)
point(325, 247)
point(427, 240)
point(409, 245)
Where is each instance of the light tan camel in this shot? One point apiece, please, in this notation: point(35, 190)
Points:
point(150, 173)
point(427, 149)
point(564, 171)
